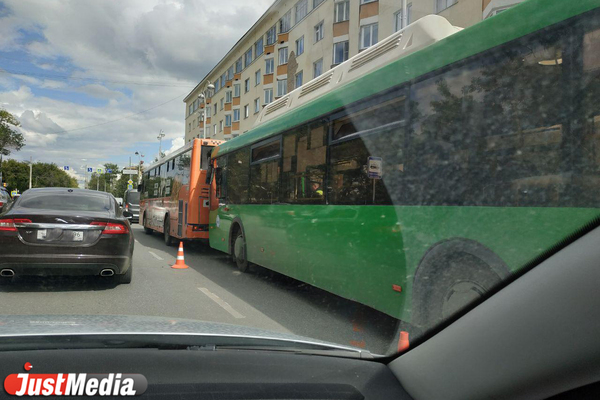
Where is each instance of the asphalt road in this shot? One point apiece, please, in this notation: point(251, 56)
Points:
point(212, 289)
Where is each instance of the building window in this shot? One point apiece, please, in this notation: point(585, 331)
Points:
point(247, 85)
point(230, 73)
point(228, 120)
point(236, 90)
point(191, 109)
point(269, 66)
point(248, 57)
point(189, 126)
point(342, 11)
point(258, 47)
point(272, 35)
point(221, 103)
point(256, 105)
point(221, 126)
point(283, 55)
point(441, 5)
point(268, 96)
point(368, 35)
point(281, 87)
point(299, 46)
point(215, 130)
point(246, 111)
point(207, 112)
point(316, 3)
point(398, 22)
point(340, 52)
point(223, 78)
point(301, 9)
point(317, 68)
point(217, 85)
point(228, 96)
point(367, 1)
point(238, 65)
point(299, 77)
point(318, 31)
point(236, 115)
point(285, 23)
point(215, 113)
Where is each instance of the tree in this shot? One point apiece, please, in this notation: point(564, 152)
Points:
point(10, 138)
point(16, 175)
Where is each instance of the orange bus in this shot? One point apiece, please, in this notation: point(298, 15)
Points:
point(174, 195)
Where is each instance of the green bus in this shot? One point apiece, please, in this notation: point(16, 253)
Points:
point(417, 175)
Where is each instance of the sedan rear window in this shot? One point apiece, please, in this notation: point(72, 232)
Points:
point(133, 197)
point(67, 203)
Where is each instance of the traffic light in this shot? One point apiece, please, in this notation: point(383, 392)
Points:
point(4, 184)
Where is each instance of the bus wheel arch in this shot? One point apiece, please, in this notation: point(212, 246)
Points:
point(451, 274)
point(167, 230)
point(147, 229)
point(237, 245)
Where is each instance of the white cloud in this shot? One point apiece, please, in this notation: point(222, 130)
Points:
point(176, 143)
point(111, 46)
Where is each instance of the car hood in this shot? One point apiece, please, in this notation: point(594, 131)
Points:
point(48, 325)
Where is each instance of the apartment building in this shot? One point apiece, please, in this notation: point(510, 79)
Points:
point(295, 41)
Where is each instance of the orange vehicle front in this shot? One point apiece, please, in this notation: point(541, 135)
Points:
point(174, 194)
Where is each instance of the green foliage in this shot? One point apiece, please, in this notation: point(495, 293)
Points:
point(109, 182)
point(10, 138)
point(16, 175)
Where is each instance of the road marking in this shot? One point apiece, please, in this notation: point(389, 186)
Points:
point(136, 240)
point(237, 272)
point(155, 256)
point(220, 302)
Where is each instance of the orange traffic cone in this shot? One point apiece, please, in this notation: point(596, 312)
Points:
point(180, 263)
point(403, 343)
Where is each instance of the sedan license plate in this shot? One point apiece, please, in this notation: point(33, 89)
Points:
point(78, 236)
point(41, 234)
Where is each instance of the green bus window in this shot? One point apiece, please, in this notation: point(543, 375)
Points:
point(482, 135)
point(238, 176)
point(221, 177)
point(304, 162)
point(264, 182)
point(266, 151)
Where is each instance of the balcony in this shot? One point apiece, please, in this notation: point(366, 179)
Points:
point(270, 49)
point(227, 130)
point(283, 37)
point(227, 106)
point(228, 83)
point(341, 28)
point(208, 101)
point(369, 10)
point(236, 126)
point(208, 120)
point(282, 69)
point(237, 76)
point(268, 78)
point(236, 101)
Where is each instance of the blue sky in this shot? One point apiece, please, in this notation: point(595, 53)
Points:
point(68, 68)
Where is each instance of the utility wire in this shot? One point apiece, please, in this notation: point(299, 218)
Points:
point(66, 77)
point(122, 118)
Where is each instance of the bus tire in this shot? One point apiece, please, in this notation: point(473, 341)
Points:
point(167, 232)
point(239, 252)
point(147, 231)
point(452, 275)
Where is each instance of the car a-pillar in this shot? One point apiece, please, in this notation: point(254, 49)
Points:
point(237, 245)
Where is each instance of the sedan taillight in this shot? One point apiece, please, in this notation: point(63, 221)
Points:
point(112, 228)
point(8, 225)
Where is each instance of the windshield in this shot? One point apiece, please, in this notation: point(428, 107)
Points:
point(360, 173)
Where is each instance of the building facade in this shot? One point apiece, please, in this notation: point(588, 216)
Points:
point(297, 40)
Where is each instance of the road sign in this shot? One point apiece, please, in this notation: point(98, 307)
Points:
point(375, 167)
point(129, 187)
point(130, 182)
point(4, 184)
point(130, 172)
point(109, 171)
point(90, 169)
point(14, 193)
point(66, 167)
point(99, 170)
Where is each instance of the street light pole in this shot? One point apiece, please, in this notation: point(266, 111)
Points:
point(203, 95)
point(30, 170)
point(159, 137)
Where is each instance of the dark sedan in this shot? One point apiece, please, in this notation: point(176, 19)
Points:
point(58, 231)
